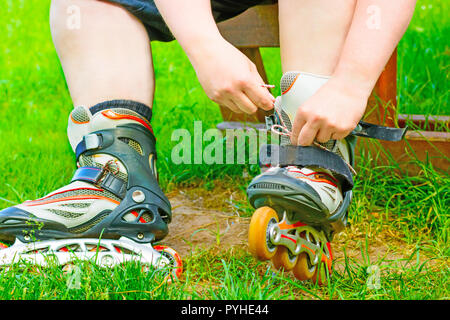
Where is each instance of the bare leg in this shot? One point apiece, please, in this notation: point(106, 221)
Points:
point(106, 57)
point(312, 33)
point(312, 36)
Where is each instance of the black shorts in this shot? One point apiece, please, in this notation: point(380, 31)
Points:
point(146, 11)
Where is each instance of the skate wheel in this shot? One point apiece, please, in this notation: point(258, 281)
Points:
point(175, 261)
point(303, 270)
point(3, 246)
point(283, 259)
point(258, 236)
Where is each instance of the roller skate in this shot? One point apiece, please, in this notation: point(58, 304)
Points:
point(303, 194)
point(113, 209)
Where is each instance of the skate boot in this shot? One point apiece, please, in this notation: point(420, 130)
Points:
point(113, 210)
point(302, 196)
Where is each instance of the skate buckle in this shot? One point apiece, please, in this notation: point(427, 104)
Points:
point(102, 178)
point(92, 141)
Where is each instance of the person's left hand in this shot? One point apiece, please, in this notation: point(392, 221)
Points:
point(332, 113)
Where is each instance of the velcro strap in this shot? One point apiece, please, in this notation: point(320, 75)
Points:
point(89, 142)
point(102, 178)
point(89, 174)
point(369, 130)
point(290, 155)
point(363, 129)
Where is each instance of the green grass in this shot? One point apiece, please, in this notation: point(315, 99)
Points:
point(423, 61)
point(36, 159)
point(230, 275)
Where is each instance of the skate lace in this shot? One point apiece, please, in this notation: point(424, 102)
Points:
point(110, 167)
point(282, 129)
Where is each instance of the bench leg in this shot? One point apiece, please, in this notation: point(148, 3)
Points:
point(382, 106)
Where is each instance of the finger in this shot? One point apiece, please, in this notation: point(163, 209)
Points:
point(338, 136)
point(296, 128)
point(260, 96)
point(244, 103)
point(307, 134)
point(341, 134)
point(324, 135)
point(260, 85)
point(232, 106)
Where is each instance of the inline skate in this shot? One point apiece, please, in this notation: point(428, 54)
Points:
point(303, 194)
point(113, 209)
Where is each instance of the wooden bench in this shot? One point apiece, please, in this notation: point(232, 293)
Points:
point(258, 27)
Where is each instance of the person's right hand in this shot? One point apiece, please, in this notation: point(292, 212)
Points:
point(230, 79)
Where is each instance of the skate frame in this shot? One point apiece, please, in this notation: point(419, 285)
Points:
point(258, 27)
point(103, 252)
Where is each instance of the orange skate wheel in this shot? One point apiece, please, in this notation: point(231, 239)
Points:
point(258, 236)
point(3, 246)
point(283, 259)
point(175, 261)
point(303, 269)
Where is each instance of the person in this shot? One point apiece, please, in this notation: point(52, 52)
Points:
point(332, 53)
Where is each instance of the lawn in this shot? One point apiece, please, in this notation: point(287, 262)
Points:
point(409, 215)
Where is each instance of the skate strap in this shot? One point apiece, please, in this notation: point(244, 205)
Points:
point(289, 155)
point(101, 140)
point(363, 129)
point(369, 130)
point(103, 179)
